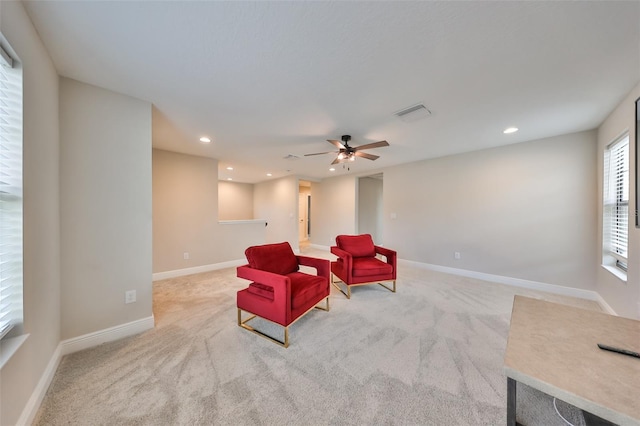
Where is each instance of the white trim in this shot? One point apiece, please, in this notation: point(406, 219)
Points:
point(517, 282)
point(7, 60)
point(33, 405)
point(90, 340)
point(197, 269)
point(605, 306)
point(10, 346)
point(618, 273)
point(73, 345)
point(241, 221)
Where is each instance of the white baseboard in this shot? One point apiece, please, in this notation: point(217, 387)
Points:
point(90, 340)
point(517, 282)
point(73, 345)
point(33, 405)
point(197, 269)
point(605, 306)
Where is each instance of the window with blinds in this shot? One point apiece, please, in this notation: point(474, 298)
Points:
point(10, 193)
point(615, 222)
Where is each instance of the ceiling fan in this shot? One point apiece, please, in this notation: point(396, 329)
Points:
point(349, 153)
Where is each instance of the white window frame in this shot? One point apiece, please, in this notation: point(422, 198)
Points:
point(11, 201)
point(615, 211)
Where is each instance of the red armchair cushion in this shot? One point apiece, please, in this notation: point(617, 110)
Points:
point(261, 290)
point(367, 266)
point(305, 287)
point(357, 245)
point(277, 258)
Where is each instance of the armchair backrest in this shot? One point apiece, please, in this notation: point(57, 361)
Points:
point(276, 258)
point(357, 245)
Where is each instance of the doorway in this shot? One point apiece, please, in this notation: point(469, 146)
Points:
point(370, 213)
point(304, 212)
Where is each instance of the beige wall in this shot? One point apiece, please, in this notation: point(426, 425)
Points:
point(521, 211)
point(105, 178)
point(19, 377)
point(623, 297)
point(276, 201)
point(370, 208)
point(185, 215)
point(185, 210)
point(235, 200)
point(333, 209)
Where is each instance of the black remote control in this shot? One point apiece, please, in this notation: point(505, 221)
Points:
point(618, 350)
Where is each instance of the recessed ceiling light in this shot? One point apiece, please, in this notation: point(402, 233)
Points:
point(332, 169)
point(269, 174)
point(229, 168)
point(510, 130)
point(229, 179)
point(205, 139)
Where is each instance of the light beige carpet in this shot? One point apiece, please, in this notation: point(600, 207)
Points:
point(431, 354)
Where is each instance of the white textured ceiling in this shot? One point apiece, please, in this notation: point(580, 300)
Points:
point(268, 79)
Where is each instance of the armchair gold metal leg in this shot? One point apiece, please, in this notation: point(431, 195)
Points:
point(327, 305)
point(391, 290)
point(335, 284)
point(247, 327)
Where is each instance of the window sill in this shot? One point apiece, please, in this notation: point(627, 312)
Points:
point(8, 347)
point(620, 274)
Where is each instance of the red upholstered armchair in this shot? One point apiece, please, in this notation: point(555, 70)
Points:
point(357, 263)
point(280, 293)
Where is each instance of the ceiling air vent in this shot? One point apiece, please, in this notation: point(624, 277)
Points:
point(291, 157)
point(413, 113)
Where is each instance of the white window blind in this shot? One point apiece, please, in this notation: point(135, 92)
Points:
point(616, 201)
point(10, 194)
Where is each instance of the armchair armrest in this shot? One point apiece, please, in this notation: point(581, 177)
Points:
point(392, 258)
point(281, 283)
point(323, 266)
point(345, 255)
point(391, 255)
point(347, 261)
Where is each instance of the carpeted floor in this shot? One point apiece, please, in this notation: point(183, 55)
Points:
point(431, 354)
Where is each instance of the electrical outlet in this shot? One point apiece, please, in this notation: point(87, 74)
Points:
point(185, 255)
point(456, 255)
point(129, 296)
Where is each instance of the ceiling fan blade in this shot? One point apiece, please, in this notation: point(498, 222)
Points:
point(320, 153)
point(373, 145)
point(367, 156)
point(336, 161)
point(338, 144)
